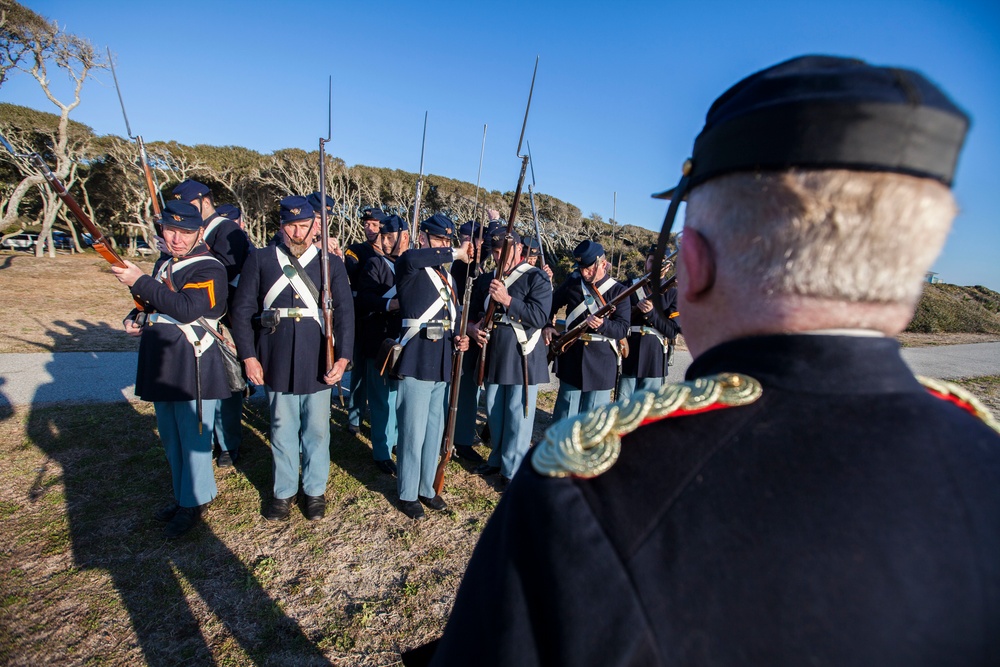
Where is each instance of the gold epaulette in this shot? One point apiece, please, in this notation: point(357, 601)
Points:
point(961, 397)
point(588, 444)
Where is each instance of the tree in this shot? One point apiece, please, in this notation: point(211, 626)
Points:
point(32, 44)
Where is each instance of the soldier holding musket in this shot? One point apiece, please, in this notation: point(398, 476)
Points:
point(588, 370)
point(515, 356)
point(355, 258)
point(379, 318)
point(429, 306)
point(180, 365)
point(649, 337)
point(277, 325)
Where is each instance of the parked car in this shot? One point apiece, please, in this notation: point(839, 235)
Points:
point(62, 240)
point(23, 241)
point(142, 248)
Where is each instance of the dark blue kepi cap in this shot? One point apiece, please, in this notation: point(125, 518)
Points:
point(438, 225)
point(314, 200)
point(470, 229)
point(587, 253)
point(394, 224)
point(189, 190)
point(826, 112)
point(371, 213)
point(295, 208)
point(181, 214)
point(229, 211)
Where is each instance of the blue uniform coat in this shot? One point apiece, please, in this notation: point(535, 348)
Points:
point(425, 359)
point(531, 302)
point(292, 356)
point(590, 366)
point(647, 356)
point(166, 366)
point(375, 322)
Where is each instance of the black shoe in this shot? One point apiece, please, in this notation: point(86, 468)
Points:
point(387, 466)
point(484, 435)
point(412, 509)
point(352, 429)
point(314, 507)
point(467, 453)
point(435, 503)
point(165, 514)
point(279, 509)
point(485, 469)
point(184, 520)
point(226, 460)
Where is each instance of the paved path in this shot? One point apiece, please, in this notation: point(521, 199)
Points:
point(107, 377)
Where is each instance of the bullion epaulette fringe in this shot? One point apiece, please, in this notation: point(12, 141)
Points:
point(587, 445)
point(962, 396)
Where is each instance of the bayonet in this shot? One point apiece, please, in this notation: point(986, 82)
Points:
point(420, 187)
point(156, 197)
point(534, 210)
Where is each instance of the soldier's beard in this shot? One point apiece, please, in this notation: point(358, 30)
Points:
point(297, 249)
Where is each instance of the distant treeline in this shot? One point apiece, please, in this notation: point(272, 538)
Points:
point(107, 181)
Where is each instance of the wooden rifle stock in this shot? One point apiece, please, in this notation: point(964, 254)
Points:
point(570, 336)
point(101, 243)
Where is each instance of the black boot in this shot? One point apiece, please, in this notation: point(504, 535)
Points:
point(183, 521)
point(314, 507)
point(279, 509)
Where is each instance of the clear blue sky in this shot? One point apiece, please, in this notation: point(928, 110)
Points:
point(621, 93)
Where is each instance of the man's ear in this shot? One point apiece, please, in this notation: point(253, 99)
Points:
point(699, 265)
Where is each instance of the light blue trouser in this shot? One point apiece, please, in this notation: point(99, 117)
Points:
point(300, 433)
point(420, 408)
point(509, 428)
point(468, 401)
point(357, 402)
point(571, 401)
point(382, 402)
point(627, 386)
point(229, 423)
point(188, 452)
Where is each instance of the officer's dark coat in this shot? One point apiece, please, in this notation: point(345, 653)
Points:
point(425, 359)
point(531, 304)
point(590, 366)
point(646, 357)
point(166, 366)
point(292, 356)
point(355, 258)
point(229, 243)
point(848, 517)
point(375, 322)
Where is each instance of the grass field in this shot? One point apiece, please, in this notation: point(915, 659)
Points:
point(87, 579)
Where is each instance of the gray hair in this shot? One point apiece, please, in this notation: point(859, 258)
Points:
point(851, 236)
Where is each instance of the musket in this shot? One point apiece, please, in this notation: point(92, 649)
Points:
point(562, 343)
point(154, 191)
point(534, 211)
point(415, 225)
point(508, 246)
point(101, 243)
point(326, 298)
point(448, 441)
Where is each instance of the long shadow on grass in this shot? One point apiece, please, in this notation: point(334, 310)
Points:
point(115, 475)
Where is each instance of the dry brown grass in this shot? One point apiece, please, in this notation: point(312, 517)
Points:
point(67, 303)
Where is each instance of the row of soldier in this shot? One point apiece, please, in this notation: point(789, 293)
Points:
point(385, 295)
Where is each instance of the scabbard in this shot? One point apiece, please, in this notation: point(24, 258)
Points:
point(197, 389)
point(524, 384)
